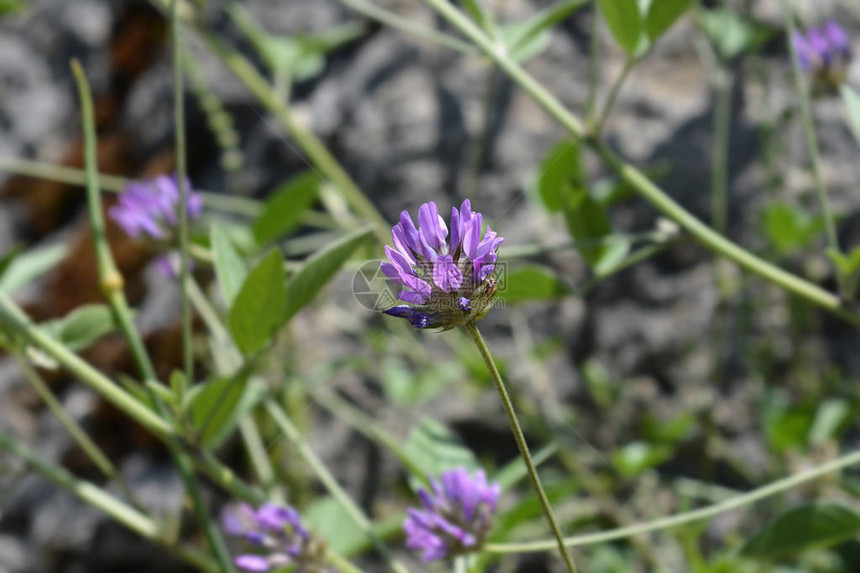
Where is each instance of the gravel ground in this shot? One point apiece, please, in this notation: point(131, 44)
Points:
point(404, 118)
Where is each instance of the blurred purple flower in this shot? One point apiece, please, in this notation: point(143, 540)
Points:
point(150, 209)
point(455, 516)
point(825, 52)
point(277, 530)
point(444, 282)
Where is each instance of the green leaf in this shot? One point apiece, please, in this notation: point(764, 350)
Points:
point(527, 39)
point(217, 407)
point(851, 100)
point(284, 209)
point(560, 167)
point(587, 222)
point(624, 21)
point(10, 6)
point(319, 269)
point(435, 449)
point(330, 520)
point(847, 264)
point(9, 256)
point(811, 526)
point(28, 266)
point(662, 14)
point(82, 327)
point(259, 309)
point(788, 228)
point(832, 415)
point(229, 267)
point(478, 13)
point(733, 34)
point(532, 282)
point(636, 457)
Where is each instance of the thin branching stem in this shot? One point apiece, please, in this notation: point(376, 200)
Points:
point(749, 498)
point(116, 509)
point(809, 129)
point(639, 181)
point(181, 175)
point(111, 282)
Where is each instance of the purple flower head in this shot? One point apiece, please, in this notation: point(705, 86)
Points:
point(825, 53)
point(446, 278)
point(455, 516)
point(276, 530)
point(150, 209)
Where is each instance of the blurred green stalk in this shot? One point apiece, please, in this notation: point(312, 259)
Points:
point(686, 517)
point(111, 283)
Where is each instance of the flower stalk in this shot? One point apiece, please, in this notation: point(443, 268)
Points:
point(473, 331)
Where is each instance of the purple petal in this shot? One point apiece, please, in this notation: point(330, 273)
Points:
point(472, 235)
point(398, 260)
point(252, 563)
point(432, 226)
point(805, 54)
point(409, 232)
point(391, 271)
point(838, 39)
point(446, 274)
point(401, 244)
point(455, 229)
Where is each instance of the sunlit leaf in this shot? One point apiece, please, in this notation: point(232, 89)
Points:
point(662, 14)
point(229, 267)
point(435, 449)
point(532, 282)
point(30, 265)
point(284, 208)
point(624, 21)
point(215, 409)
point(82, 327)
point(319, 269)
point(259, 309)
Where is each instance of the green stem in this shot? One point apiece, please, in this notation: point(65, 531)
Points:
point(593, 64)
point(330, 483)
point(472, 329)
point(112, 285)
point(686, 517)
point(341, 564)
point(12, 315)
point(320, 157)
point(613, 96)
point(809, 130)
point(111, 506)
point(181, 174)
point(720, 156)
point(636, 179)
point(83, 440)
point(408, 27)
point(115, 184)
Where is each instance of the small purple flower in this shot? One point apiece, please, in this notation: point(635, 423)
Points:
point(455, 516)
point(279, 532)
point(446, 280)
point(824, 52)
point(150, 209)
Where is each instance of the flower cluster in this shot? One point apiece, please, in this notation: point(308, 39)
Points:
point(825, 52)
point(445, 282)
point(455, 517)
point(279, 531)
point(150, 209)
